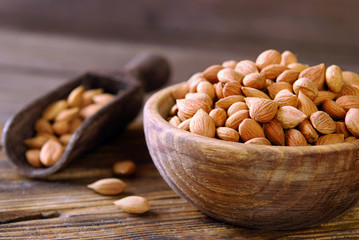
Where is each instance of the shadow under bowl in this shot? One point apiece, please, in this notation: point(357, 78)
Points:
point(255, 186)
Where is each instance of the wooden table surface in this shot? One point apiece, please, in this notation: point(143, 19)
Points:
point(62, 207)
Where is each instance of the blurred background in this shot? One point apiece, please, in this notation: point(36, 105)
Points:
point(51, 41)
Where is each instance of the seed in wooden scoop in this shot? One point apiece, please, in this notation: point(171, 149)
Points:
point(124, 168)
point(61, 127)
point(88, 95)
point(33, 157)
point(75, 97)
point(53, 109)
point(51, 152)
point(65, 139)
point(42, 125)
point(46, 135)
point(67, 114)
point(74, 124)
point(108, 186)
point(133, 204)
point(103, 99)
point(35, 142)
point(90, 110)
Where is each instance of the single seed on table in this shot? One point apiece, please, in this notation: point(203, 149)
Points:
point(133, 204)
point(124, 168)
point(108, 186)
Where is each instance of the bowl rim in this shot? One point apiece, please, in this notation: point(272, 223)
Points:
point(151, 113)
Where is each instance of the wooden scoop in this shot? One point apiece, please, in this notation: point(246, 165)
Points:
point(145, 72)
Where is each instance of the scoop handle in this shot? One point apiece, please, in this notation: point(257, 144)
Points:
point(150, 69)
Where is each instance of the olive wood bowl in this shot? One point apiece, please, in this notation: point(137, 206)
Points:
point(265, 187)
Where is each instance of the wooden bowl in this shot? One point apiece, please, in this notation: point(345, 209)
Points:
point(266, 187)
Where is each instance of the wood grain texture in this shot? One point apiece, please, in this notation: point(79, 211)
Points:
point(271, 187)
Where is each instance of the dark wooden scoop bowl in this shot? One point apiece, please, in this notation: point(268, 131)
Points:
point(267, 187)
point(145, 72)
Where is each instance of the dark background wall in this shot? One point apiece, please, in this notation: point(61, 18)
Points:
point(316, 29)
